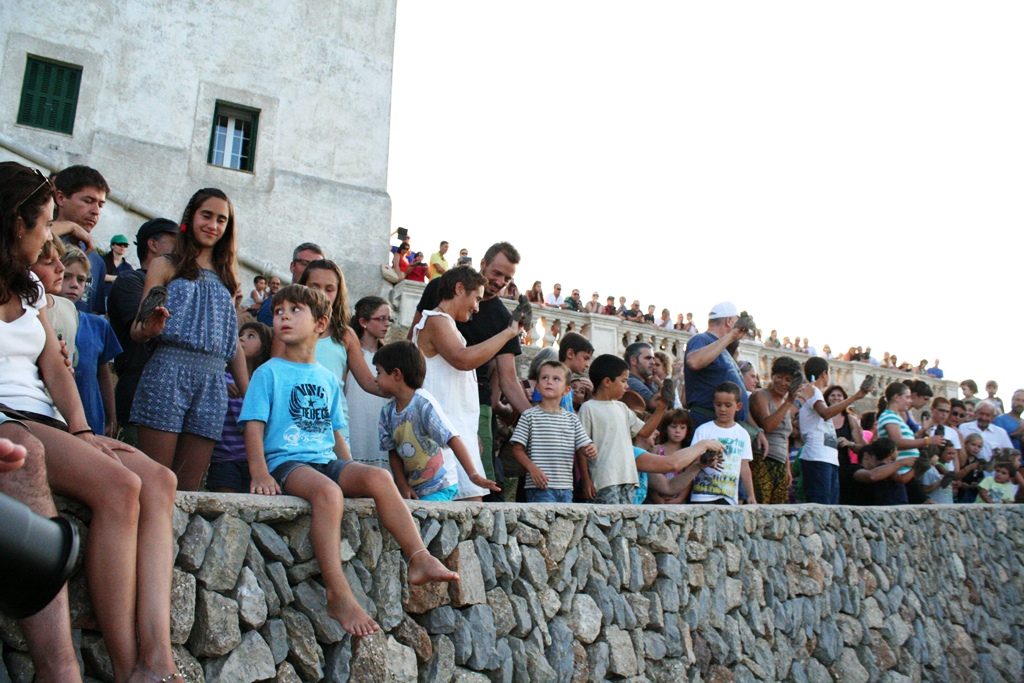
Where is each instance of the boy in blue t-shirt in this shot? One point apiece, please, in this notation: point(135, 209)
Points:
point(96, 346)
point(414, 429)
point(292, 419)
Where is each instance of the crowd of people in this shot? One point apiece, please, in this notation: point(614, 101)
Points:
point(124, 384)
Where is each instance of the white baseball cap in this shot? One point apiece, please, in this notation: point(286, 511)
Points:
point(726, 309)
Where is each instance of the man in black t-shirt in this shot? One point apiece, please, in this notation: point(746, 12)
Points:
point(155, 238)
point(498, 265)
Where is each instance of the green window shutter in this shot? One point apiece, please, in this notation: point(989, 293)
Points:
point(49, 95)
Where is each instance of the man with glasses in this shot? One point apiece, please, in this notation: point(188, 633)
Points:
point(555, 298)
point(81, 193)
point(942, 424)
point(573, 303)
point(302, 256)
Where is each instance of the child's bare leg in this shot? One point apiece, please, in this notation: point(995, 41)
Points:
point(363, 481)
point(158, 444)
point(191, 459)
point(328, 504)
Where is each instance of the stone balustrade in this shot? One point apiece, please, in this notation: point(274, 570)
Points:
point(610, 334)
point(590, 593)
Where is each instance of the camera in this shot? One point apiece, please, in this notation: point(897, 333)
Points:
point(37, 556)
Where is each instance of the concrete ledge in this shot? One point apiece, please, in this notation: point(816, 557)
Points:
point(592, 593)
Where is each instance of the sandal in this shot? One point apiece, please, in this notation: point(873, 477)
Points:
point(170, 678)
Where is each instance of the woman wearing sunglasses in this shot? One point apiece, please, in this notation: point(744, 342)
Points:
point(371, 322)
point(128, 555)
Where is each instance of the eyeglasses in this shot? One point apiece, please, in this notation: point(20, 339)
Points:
point(46, 181)
point(383, 318)
point(302, 262)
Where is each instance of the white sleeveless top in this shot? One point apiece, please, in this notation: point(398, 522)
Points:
point(21, 342)
point(456, 391)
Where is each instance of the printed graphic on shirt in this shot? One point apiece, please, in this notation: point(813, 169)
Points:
point(724, 483)
point(422, 456)
point(310, 413)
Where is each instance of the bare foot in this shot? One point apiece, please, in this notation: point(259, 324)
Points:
point(141, 674)
point(347, 611)
point(425, 568)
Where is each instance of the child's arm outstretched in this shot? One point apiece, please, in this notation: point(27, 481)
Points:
point(678, 460)
point(262, 482)
point(466, 460)
point(401, 481)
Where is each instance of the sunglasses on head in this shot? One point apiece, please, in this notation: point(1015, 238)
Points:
point(45, 181)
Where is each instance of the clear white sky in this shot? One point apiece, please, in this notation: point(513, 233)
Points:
point(849, 172)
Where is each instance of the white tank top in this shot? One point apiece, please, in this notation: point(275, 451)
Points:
point(21, 342)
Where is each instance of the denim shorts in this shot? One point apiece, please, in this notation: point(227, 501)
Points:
point(442, 495)
point(331, 469)
point(233, 474)
point(548, 495)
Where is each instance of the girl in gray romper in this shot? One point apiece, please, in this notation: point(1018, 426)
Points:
point(182, 395)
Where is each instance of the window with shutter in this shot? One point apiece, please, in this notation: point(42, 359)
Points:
point(233, 137)
point(49, 95)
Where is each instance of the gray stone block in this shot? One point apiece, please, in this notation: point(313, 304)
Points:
point(225, 554)
point(215, 632)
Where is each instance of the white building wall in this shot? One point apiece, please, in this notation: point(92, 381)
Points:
point(319, 72)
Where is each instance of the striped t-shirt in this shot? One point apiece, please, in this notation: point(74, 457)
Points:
point(890, 417)
point(551, 441)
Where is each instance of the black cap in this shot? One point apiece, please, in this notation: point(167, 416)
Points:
point(155, 226)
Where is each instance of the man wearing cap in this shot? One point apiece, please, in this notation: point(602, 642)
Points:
point(155, 238)
point(708, 364)
point(115, 262)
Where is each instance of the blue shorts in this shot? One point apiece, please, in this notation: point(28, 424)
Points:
point(331, 470)
point(182, 392)
point(443, 495)
point(548, 495)
point(233, 474)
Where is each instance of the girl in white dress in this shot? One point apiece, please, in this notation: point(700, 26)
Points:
point(371, 323)
point(451, 365)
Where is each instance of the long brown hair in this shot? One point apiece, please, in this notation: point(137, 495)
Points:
point(23, 194)
point(186, 249)
point(365, 307)
point(339, 310)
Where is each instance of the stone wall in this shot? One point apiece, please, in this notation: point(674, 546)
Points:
point(593, 593)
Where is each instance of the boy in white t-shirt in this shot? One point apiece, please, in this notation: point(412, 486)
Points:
point(819, 459)
point(721, 486)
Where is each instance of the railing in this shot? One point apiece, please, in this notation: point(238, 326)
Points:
point(610, 334)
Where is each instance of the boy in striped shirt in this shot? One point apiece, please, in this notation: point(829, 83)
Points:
point(547, 439)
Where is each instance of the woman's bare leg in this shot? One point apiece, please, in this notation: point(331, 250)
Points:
point(328, 504)
point(111, 491)
point(363, 481)
point(191, 460)
point(47, 632)
point(154, 563)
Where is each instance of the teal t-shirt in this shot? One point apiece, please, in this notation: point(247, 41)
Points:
point(301, 406)
point(334, 357)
